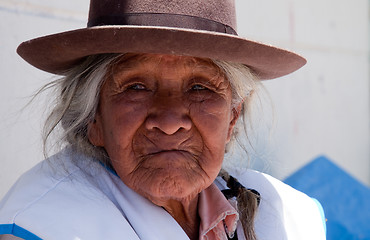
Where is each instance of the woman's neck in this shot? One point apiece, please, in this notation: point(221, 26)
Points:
point(186, 214)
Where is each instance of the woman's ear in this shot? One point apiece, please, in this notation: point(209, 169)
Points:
point(235, 112)
point(95, 132)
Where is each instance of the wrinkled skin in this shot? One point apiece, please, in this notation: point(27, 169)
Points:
point(164, 121)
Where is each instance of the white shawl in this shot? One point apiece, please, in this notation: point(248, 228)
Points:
point(59, 199)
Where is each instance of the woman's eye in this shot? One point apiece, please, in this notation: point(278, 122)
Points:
point(137, 86)
point(198, 87)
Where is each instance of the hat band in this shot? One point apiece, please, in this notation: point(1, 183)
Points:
point(163, 20)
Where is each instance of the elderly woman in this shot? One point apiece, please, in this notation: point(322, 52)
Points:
point(149, 100)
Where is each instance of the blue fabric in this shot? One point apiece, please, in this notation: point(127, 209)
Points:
point(109, 169)
point(15, 230)
point(345, 200)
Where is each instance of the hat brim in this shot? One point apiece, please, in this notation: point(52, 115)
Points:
point(58, 52)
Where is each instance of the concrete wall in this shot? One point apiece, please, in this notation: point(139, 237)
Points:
point(321, 109)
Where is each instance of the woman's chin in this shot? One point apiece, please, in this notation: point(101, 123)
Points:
point(171, 188)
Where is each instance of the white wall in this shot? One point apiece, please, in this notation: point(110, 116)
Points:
point(20, 129)
point(321, 109)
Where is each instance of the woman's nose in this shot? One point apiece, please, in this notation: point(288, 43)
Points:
point(169, 116)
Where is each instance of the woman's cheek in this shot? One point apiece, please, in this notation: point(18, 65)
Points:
point(122, 121)
point(212, 116)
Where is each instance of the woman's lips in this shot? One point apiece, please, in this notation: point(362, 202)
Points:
point(175, 158)
point(168, 152)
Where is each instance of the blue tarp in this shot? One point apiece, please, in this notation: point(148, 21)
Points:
point(345, 200)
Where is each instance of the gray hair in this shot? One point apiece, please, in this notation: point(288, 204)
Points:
point(75, 104)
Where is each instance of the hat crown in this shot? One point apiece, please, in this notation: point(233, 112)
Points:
point(220, 11)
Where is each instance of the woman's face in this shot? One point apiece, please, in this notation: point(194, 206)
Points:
point(164, 121)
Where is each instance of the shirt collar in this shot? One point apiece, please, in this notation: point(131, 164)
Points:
point(218, 216)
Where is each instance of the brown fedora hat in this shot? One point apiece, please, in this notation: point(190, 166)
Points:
point(199, 28)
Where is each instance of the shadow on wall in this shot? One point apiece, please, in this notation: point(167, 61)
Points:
point(346, 201)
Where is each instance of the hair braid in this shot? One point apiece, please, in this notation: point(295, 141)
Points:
point(248, 201)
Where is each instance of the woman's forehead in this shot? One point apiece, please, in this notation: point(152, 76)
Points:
point(136, 60)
